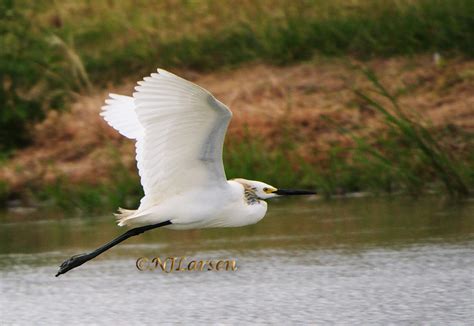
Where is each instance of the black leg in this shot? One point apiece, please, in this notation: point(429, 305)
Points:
point(78, 260)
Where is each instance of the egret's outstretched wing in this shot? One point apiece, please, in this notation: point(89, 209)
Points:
point(184, 129)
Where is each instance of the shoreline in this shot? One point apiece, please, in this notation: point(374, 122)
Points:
point(284, 130)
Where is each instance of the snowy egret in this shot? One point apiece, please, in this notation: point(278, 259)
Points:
point(179, 129)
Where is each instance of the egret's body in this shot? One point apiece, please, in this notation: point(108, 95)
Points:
point(179, 130)
point(203, 208)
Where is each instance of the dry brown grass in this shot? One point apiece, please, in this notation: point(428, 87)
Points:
point(78, 145)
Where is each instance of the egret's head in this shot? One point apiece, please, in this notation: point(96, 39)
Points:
point(262, 190)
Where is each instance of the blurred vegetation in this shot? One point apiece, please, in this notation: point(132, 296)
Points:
point(123, 189)
point(416, 155)
point(52, 51)
point(407, 157)
point(49, 51)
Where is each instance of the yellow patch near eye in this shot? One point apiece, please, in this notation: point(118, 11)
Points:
point(269, 190)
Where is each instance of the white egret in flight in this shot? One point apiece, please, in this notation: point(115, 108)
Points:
point(179, 130)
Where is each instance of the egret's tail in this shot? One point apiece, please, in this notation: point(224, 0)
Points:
point(123, 215)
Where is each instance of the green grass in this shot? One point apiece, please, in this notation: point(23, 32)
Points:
point(51, 50)
point(135, 39)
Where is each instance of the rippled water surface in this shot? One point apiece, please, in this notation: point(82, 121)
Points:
point(348, 261)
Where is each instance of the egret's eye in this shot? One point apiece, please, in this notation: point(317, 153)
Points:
point(265, 189)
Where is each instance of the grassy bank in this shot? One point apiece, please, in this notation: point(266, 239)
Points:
point(338, 137)
point(52, 51)
point(406, 153)
point(409, 155)
point(386, 165)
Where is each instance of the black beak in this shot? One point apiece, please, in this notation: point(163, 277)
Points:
point(291, 192)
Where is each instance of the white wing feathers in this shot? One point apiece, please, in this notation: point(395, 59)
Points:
point(119, 112)
point(180, 130)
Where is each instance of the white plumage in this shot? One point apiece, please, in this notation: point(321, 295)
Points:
point(179, 130)
point(120, 114)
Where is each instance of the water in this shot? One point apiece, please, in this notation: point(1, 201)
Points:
point(351, 261)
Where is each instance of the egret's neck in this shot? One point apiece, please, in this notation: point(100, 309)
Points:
point(248, 192)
